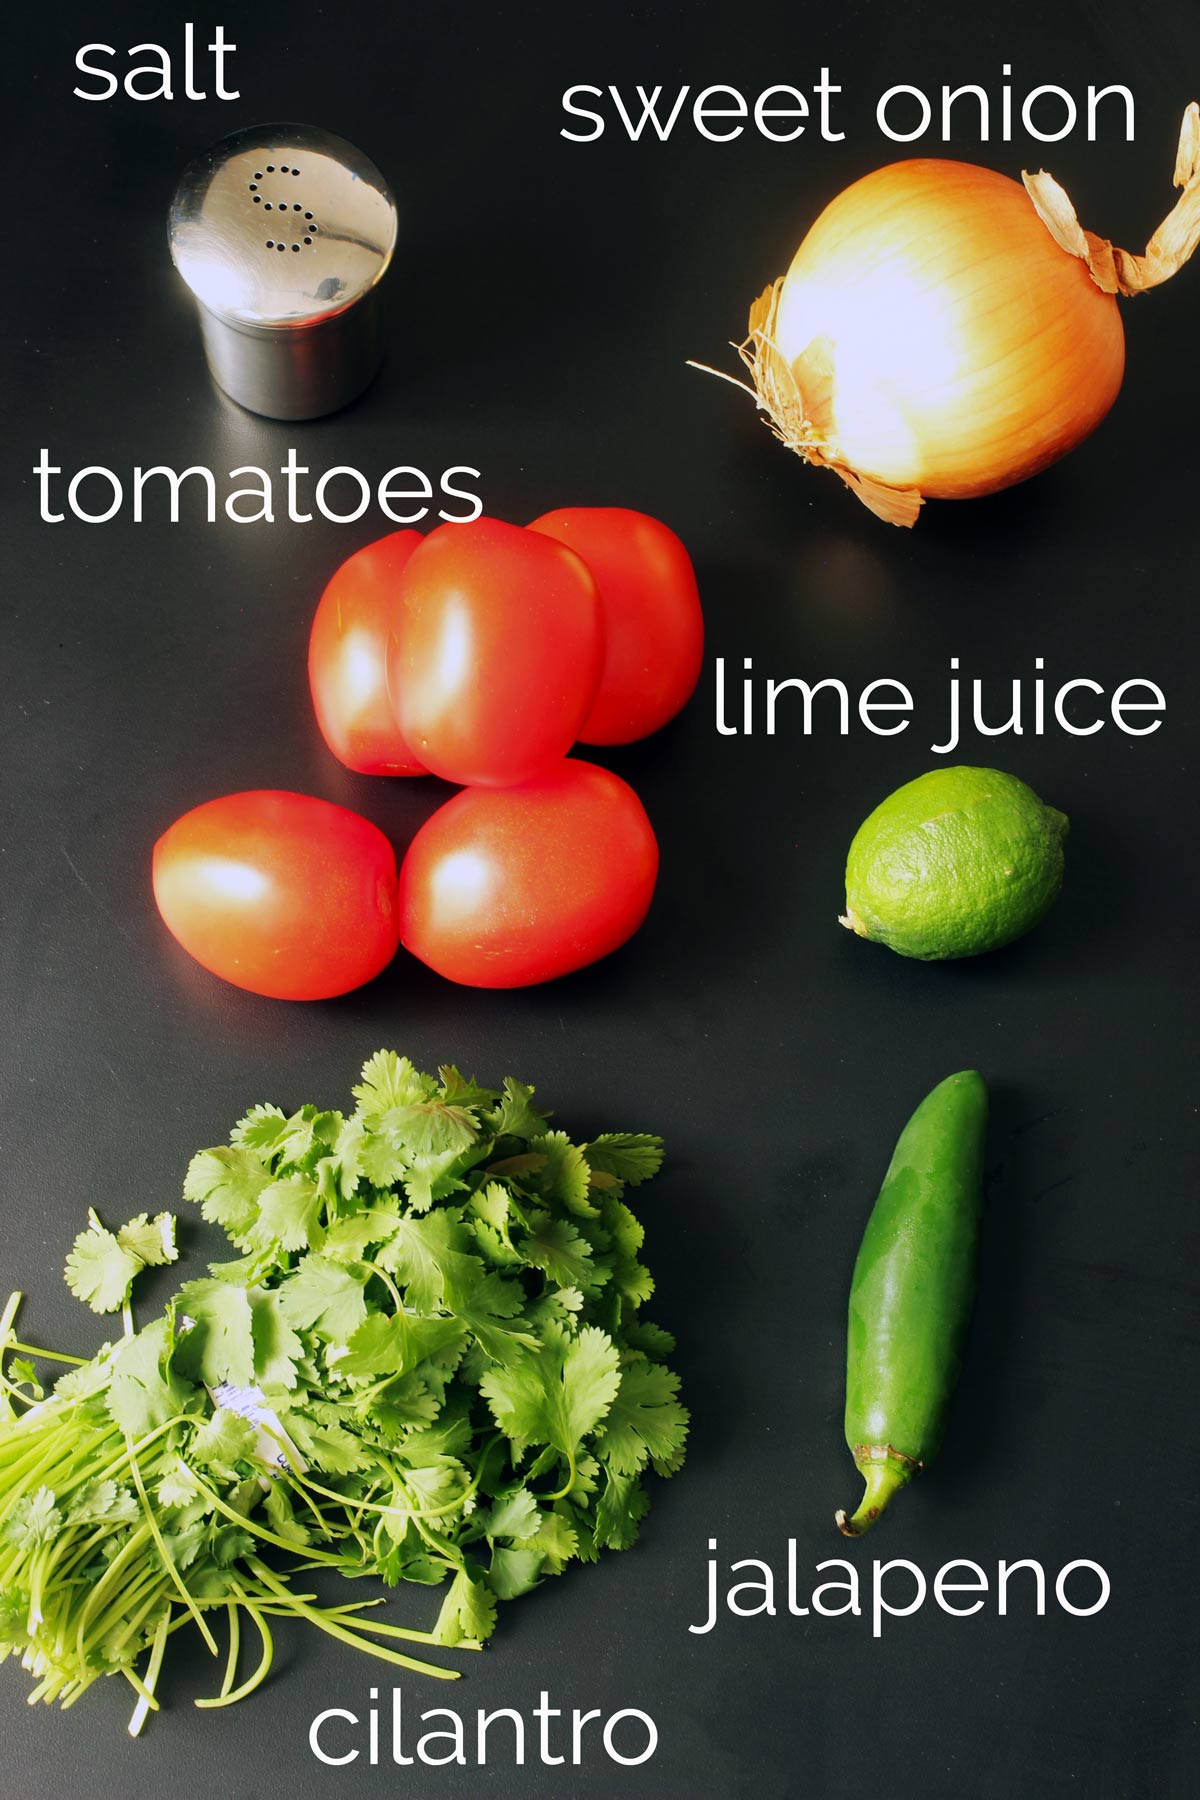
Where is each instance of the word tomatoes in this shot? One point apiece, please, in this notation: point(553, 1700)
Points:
point(279, 893)
point(506, 887)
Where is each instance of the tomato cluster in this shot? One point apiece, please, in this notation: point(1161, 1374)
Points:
point(481, 653)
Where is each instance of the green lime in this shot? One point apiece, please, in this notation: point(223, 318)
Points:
point(958, 861)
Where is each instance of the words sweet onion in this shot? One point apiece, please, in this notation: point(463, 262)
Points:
point(943, 332)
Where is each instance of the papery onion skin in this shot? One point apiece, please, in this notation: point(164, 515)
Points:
point(952, 347)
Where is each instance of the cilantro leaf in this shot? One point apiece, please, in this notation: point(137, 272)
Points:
point(33, 1520)
point(555, 1539)
point(345, 1157)
point(100, 1270)
point(297, 1136)
point(492, 1205)
point(22, 1372)
point(515, 1115)
point(102, 1503)
point(432, 1175)
point(493, 1309)
point(151, 1239)
point(282, 1517)
point(557, 1247)
point(620, 1509)
point(328, 1444)
point(493, 1241)
point(288, 1214)
point(513, 1516)
point(260, 1129)
point(227, 1183)
point(640, 1334)
point(224, 1440)
point(277, 1349)
point(514, 1572)
point(405, 1405)
point(429, 1256)
point(455, 1088)
point(389, 1081)
point(228, 1543)
point(14, 1616)
point(633, 1157)
point(565, 1178)
point(178, 1486)
point(219, 1344)
point(558, 1396)
point(626, 1233)
point(468, 1612)
point(394, 1345)
point(645, 1421)
point(381, 1161)
point(347, 1239)
point(326, 1298)
point(144, 1391)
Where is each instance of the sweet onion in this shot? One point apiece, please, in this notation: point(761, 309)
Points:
point(945, 332)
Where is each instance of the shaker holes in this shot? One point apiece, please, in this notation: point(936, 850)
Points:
point(282, 206)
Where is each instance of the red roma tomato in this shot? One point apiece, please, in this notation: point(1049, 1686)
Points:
point(347, 659)
point(279, 893)
point(497, 652)
point(654, 629)
point(502, 888)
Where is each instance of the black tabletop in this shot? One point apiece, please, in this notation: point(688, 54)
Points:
point(543, 302)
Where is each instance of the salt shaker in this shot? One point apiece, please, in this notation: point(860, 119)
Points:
point(283, 233)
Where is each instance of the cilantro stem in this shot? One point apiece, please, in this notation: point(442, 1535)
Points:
point(23, 1478)
point(131, 1548)
point(147, 1700)
point(114, 1645)
point(235, 1633)
point(168, 1559)
point(260, 1531)
point(563, 1492)
point(229, 1695)
point(11, 1307)
point(388, 1283)
point(325, 1622)
point(410, 1512)
point(381, 1629)
point(77, 1362)
point(122, 1606)
point(130, 1449)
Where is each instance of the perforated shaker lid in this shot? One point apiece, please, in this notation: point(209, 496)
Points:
point(281, 226)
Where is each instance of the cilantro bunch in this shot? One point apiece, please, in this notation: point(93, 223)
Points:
point(425, 1363)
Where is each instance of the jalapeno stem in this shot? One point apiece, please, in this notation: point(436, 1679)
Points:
point(883, 1482)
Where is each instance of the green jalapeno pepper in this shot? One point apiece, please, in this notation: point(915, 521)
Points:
point(912, 1294)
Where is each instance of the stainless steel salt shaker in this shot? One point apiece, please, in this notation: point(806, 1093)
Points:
point(283, 233)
